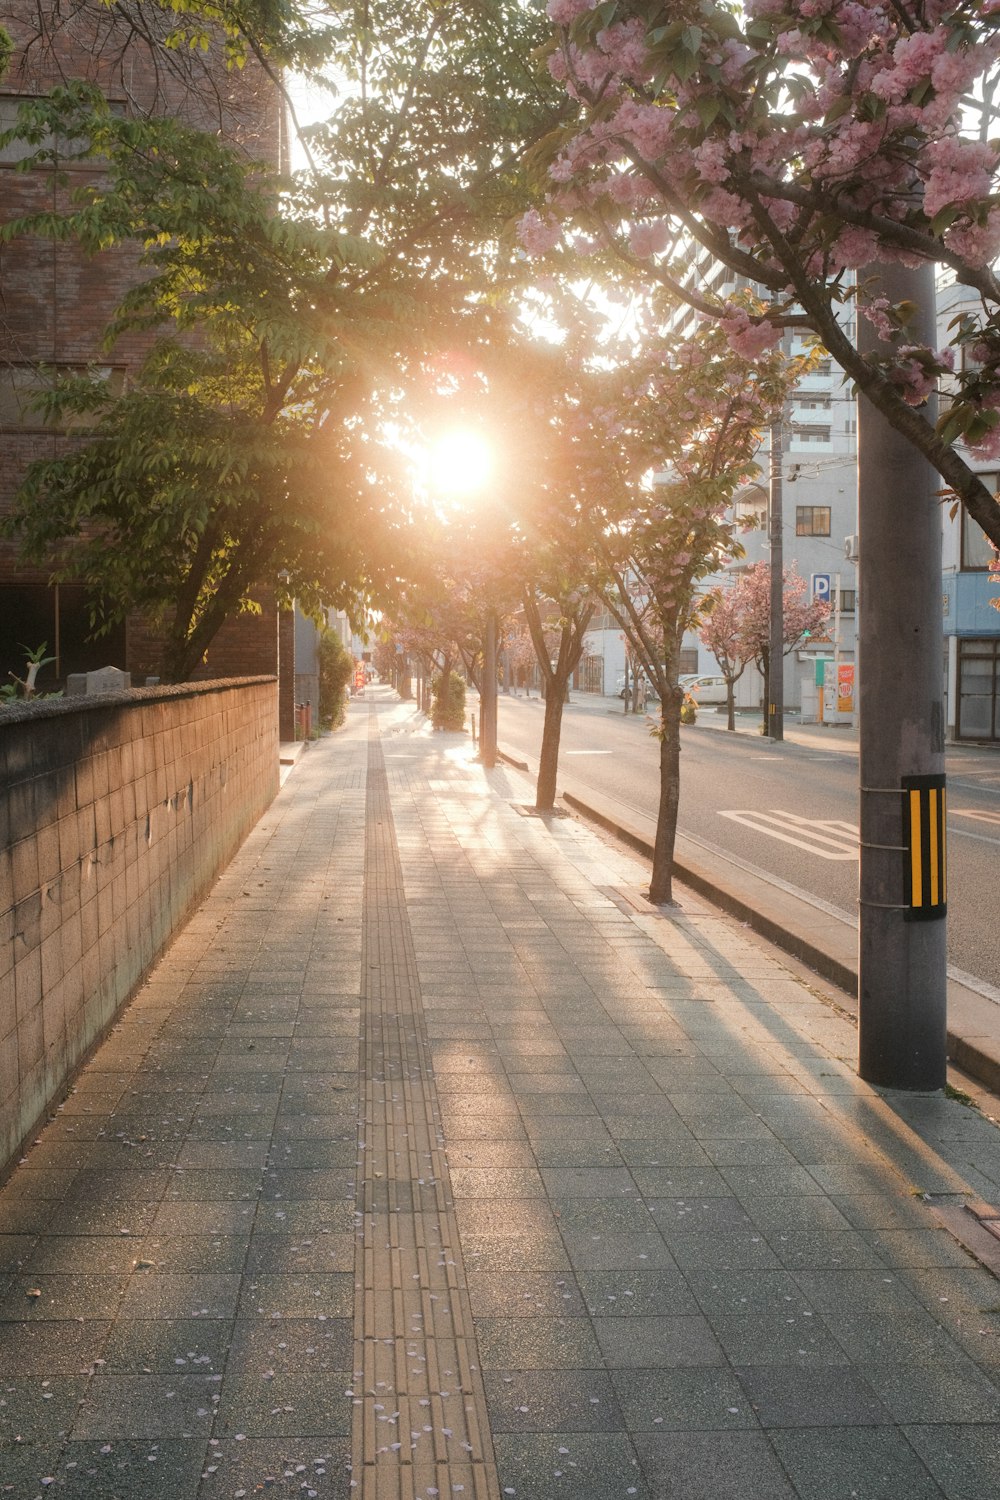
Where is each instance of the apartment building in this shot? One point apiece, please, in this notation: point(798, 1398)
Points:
point(819, 506)
point(968, 594)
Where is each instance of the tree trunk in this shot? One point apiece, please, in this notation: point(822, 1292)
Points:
point(660, 884)
point(548, 761)
point(444, 694)
point(731, 706)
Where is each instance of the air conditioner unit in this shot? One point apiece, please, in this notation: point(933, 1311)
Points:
point(851, 548)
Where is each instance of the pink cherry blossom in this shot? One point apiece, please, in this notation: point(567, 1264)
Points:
point(539, 233)
point(565, 12)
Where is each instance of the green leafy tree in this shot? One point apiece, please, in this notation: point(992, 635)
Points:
point(448, 710)
point(289, 327)
point(336, 668)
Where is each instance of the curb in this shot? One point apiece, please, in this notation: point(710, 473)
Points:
point(818, 939)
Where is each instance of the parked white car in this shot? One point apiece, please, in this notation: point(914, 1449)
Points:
point(620, 687)
point(705, 689)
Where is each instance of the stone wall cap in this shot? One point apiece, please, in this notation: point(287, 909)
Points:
point(22, 711)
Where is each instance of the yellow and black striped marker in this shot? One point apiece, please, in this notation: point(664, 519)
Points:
point(925, 872)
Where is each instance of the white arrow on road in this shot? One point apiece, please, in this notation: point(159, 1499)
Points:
point(827, 838)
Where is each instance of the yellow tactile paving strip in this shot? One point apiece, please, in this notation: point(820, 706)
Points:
point(420, 1424)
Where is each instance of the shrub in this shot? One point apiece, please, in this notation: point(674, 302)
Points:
point(336, 666)
point(688, 711)
point(448, 710)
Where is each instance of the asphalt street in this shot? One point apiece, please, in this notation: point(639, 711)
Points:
point(789, 809)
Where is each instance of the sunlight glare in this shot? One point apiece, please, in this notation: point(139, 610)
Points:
point(461, 463)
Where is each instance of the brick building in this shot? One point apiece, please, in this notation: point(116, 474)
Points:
point(55, 302)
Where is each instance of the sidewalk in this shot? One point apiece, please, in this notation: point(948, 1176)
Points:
point(810, 929)
point(430, 1161)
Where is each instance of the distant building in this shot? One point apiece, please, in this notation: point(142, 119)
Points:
point(819, 511)
point(55, 302)
point(971, 624)
point(819, 515)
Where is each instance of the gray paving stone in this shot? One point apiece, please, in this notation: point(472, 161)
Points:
point(588, 1182)
point(552, 1401)
point(537, 1344)
point(657, 1342)
point(152, 1469)
point(678, 1400)
point(650, 1292)
point(712, 1466)
point(33, 1407)
point(965, 1460)
point(267, 1466)
point(515, 1252)
point(147, 1406)
point(729, 1250)
point(616, 1252)
point(826, 1397)
point(523, 1294)
point(286, 1404)
point(543, 1467)
point(947, 1388)
point(166, 1344)
point(825, 1249)
point(776, 1339)
point(838, 1463)
point(724, 1292)
point(36, 1299)
point(621, 1215)
point(161, 1294)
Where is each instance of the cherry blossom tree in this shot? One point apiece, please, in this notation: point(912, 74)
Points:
point(719, 630)
point(685, 426)
point(737, 623)
point(796, 142)
point(519, 650)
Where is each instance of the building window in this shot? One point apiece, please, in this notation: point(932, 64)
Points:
point(19, 150)
point(977, 549)
point(978, 696)
point(812, 520)
point(847, 601)
point(59, 616)
point(803, 432)
point(687, 660)
point(20, 385)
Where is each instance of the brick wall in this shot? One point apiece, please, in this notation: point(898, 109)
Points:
point(56, 302)
point(115, 816)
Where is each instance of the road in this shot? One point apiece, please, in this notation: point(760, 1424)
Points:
point(789, 809)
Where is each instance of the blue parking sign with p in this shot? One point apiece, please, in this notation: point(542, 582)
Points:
point(820, 587)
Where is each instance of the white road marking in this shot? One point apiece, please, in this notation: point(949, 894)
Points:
point(966, 812)
point(828, 838)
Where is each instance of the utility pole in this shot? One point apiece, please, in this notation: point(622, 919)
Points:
point(902, 975)
point(775, 685)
